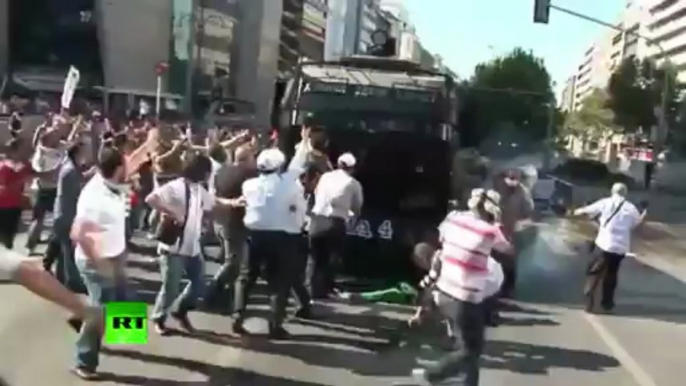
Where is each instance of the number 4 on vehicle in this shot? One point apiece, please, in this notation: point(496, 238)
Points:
point(360, 228)
point(385, 230)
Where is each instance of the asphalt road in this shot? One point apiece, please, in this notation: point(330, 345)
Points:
point(547, 339)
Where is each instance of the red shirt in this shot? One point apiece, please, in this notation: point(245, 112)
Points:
point(13, 176)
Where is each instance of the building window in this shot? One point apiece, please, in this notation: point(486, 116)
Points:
point(55, 34)
point(617, 38)
point(662, 5)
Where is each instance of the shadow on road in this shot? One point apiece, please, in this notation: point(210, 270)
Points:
point(216, 375)
point(546, 276)
point(536, 359)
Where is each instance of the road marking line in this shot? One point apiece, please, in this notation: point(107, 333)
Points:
point(641, 377)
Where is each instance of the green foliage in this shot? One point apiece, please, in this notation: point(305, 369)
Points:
point(512, 91)
point(594, 120)
point(635, 90)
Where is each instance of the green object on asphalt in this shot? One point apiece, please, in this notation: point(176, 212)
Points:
point(401, 293)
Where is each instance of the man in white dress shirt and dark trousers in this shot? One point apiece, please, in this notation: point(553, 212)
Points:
point(617, 218)
point(337, 197)
point(274, 213)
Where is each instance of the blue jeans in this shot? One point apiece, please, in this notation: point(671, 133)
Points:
point(101, 290)
point(172, 268)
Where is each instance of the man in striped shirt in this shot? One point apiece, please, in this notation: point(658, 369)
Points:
point(468, 276)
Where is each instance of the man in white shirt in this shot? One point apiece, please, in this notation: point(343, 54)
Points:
point(275, 211)
point(183, 201)
point(337, 197)
point(49, 151)
point(617, 218)
point(99, 233)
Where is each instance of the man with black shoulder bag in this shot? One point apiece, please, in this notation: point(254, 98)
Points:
point(617, 218)
point(182, 203)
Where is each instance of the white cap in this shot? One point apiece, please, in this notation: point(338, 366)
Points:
point(270, 159)
point(347, 159)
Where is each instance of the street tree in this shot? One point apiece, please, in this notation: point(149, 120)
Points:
point(512, 91)
point(635, 91)
point(595, 119)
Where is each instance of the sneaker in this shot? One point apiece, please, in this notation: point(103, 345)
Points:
point(85, 374)
point(183, 320)
point(238, 328)
point(278, 333)
point(420, 376)
point(160, 327)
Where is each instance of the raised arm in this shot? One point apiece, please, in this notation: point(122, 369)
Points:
point(236, 140)
point(591, 210)
point(173, 152)
point(75, 130)
point(302, 150)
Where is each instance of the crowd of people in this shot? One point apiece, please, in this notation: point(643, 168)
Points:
point(158, 178)
point(101, 183)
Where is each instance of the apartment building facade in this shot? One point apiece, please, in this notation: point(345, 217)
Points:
point(349, 26)
point(603, 57)
point(118, 44)
point(568, 93)
point(314, 29)
point(667, 28)
point(595, 69)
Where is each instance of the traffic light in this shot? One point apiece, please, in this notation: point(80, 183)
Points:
point(541, 11)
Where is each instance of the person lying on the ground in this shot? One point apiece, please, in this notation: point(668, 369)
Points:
point(402, 292)
point(31, 275)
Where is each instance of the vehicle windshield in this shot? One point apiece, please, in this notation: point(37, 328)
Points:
point(374, 122)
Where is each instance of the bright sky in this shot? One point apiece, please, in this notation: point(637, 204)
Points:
point(467, 32)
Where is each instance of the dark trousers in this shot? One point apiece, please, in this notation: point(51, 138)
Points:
point(466, 321)
point(52, 255)
point(67, 269)
point(274, 252)
point(300, 274)
point(45, 201)
point(327, 237)
point(235, 242)
point(605, 269)
point(9, 225)
point(509, 265)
